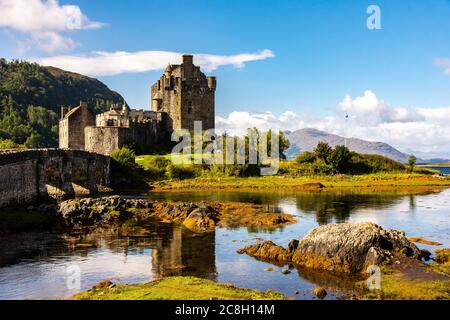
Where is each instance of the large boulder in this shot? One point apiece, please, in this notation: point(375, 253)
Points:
point(351, 247)
point(344, 247)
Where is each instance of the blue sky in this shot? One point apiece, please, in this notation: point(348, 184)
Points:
point(322, 50)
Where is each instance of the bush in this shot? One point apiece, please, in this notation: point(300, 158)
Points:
point(159, 163)
point(9, 144)
point(181, 171)
point(305, 157)
point(124, 157)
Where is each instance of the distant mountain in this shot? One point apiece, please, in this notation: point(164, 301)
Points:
point(308, 138)
point(31, 96)
point(434, 161)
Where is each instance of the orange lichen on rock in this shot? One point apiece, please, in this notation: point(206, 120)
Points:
point(424, 241)
point(268, 251)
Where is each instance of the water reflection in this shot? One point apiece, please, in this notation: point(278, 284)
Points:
point(34, 265)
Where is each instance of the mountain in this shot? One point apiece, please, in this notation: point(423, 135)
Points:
point(308, 138)
point(50, 87)
point(31, 96)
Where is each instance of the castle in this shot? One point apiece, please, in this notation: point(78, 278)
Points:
point(181, 96)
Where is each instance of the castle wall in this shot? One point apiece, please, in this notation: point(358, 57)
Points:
point(29, 175)
point(141, 136)
point(104, 140)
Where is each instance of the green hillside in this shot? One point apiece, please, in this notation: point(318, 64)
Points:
point(31, 97)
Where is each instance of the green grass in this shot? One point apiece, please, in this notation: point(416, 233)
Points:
point(364, 181)
point(397, 286)
point(202, 177)
point(178, 288)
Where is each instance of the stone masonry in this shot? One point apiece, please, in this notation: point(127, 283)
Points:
point(180, 97)
point(30, 175)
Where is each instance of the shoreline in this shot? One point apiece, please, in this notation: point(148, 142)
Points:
point(365, 182)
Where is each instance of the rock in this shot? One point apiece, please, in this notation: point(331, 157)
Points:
point(201, 220)
point(350, 247)
point(103, 285)
point(320, 292)
point(285, 271)
point(442, 255)
point(345, 247)
point(268, 251)
point(293, 244)
point(296, 292)
point(313, 185)
point(425, 254)
point(269, 269)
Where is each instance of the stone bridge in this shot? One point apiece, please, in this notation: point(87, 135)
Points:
point(30, 175)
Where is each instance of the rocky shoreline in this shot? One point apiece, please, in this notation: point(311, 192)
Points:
point(198, 217)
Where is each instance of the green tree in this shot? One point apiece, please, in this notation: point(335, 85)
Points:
point(323, 151)
point(339, 159)
point(412, 162)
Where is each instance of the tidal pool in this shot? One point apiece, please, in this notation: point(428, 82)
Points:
point(39, 265)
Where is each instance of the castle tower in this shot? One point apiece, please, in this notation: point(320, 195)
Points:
point(186, 94)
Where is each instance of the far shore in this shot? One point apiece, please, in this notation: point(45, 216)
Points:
point(387, 182)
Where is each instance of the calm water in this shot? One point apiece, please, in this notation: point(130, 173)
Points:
point(34, 266)
point(443, 170)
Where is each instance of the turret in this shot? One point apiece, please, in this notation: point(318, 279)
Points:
point(212, 83)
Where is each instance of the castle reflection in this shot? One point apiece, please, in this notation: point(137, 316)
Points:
point(182, 253)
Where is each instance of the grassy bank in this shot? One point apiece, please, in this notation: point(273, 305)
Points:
point(387, 174)
point(178, 288)
point(430, 282)
point(376, 181)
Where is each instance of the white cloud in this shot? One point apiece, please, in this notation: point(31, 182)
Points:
point(113, 63)
point(44, 22)
point(444, 63)
point(422, 130)
point(371, 110)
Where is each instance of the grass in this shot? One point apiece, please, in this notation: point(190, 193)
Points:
point(206, 179)
point(363, 181)
point(178, 288)
point(395, 285)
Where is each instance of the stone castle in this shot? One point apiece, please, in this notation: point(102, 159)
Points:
point(181, 96)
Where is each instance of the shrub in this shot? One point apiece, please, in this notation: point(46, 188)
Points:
point(124, 157)
point(305, 157)
point(159, 163)
point(9, 144)
point(181, 171)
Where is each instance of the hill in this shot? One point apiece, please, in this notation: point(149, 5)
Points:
point(308, 138)
point(31, 96)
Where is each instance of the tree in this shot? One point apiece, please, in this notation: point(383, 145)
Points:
point(339, 159)
point(412, 162)
point(323, 151)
